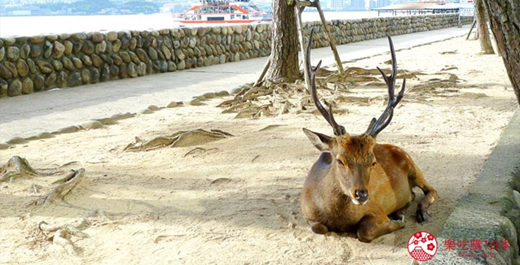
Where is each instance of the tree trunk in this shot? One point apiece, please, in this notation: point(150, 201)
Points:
point(485, 41)
point(284, 46)
point(505, 24)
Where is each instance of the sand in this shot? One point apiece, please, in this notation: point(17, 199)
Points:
point(236, 201)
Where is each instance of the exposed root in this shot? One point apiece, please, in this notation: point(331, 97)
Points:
point(448, 52)
point(15, 168)
point(359, 100)
point(178, 139)
point(449, 67)
point(61, 235)
point(443, 81)
point(199, 150)
point(255, 102)
point(277, 99)
point(67, 184)
point(69, 163)
point(220, 181)
point(355, 85)
point(357, 76)
point(18, 167)
point(270, 127)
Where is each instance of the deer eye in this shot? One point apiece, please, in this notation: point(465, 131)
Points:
point(340, 162)
point(374, 163)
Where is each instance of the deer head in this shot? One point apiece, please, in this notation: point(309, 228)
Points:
point(353, 155)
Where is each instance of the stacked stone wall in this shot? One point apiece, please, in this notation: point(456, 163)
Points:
point(347, 31)
point(30, 64)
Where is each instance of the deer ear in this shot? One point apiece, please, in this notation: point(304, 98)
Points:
point(321, 141)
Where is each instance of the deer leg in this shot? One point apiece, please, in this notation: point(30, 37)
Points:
point(318, 227)
point(399, 214)
point(374, 226)
point(430, 195)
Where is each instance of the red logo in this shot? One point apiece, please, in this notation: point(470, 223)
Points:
point(422, 246)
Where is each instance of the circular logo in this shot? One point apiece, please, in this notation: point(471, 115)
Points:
point(422, 246)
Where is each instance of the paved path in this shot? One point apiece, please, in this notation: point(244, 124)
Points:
point(28, 115)
point(490, 210)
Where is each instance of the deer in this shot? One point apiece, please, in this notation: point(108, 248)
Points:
point(357, 183)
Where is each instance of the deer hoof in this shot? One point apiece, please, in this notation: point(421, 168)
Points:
point(422, 216)
point(397, 217)
point(318, 228)
point(400, 223)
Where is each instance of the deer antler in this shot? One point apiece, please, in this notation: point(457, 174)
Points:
point(376, 126)
point(311, 85)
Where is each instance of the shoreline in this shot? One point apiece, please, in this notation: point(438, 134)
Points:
point(90, 23)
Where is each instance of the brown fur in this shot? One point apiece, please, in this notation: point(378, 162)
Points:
point(346, 165)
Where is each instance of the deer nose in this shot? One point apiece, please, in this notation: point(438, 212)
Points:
point(361, 195)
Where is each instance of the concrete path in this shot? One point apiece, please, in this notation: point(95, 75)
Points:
point(28, 115)
point(490, 211)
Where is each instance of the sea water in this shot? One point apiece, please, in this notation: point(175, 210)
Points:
point(37, 25)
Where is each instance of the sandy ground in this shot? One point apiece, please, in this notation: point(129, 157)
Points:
point(237, 201)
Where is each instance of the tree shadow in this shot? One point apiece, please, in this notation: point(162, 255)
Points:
point(234, 201)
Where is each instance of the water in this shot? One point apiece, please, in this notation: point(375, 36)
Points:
point(36, 25)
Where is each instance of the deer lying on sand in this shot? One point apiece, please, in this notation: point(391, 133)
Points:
point(357, 183)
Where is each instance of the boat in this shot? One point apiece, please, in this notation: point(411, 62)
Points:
point(222, 11)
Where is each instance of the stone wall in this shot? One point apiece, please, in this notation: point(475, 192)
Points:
point(347, 31)
point(29, 64)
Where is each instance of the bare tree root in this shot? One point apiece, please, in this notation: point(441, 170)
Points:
point(198, 150)
point(438, 82)
point(178, 139)
point(16, 167)
point(67, 184)
point(259, 100)
point(357, 76)
point(271, 99)
point(61, 235)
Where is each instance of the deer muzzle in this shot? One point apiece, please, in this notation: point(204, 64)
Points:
point(361, 196)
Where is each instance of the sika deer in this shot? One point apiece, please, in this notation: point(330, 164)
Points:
point(357, 183)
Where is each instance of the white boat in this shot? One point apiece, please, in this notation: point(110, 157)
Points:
point(222, 11)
